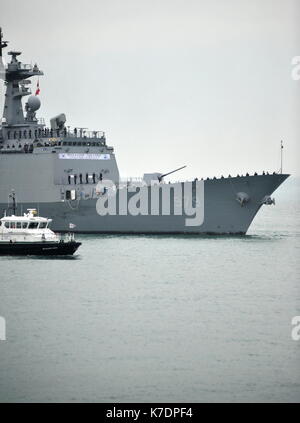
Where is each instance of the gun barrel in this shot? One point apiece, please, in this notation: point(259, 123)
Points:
point(172, 171)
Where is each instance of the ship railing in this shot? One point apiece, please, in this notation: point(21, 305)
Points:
point(66, 133)
point(83, 133)
point(64, 237)
point(25, 66)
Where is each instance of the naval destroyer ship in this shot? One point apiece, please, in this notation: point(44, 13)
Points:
point(72, 175)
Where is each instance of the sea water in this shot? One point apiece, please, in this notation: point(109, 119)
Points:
point(158, 318)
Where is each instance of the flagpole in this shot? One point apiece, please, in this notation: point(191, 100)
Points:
point(281, 155)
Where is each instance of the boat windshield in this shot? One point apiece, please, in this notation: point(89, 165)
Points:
point(43, 225)
point(33, 225)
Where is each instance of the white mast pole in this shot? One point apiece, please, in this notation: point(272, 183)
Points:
point(281, 155)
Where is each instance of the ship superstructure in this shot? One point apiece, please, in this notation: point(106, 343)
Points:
point(66, 173)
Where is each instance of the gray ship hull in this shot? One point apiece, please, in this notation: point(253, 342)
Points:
point(223, 214)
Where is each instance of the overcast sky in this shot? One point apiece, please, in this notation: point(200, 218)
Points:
point(202, 83)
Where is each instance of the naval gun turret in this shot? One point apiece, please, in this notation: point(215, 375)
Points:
point(156, 177)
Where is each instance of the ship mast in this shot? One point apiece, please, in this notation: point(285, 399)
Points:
point(16, 77)
point(3, 44)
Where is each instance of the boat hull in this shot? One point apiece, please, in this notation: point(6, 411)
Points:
point(38, 248)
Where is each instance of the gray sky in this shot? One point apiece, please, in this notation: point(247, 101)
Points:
point(204, 83)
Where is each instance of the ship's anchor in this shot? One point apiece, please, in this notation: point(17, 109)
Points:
point(242, 198)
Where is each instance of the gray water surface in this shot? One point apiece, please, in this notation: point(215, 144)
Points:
point(158, 318)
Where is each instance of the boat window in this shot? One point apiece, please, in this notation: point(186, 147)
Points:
point(42, 225)
point(7, 224)
point(33, 225)
point(24, 225)
point(19, 225)
point(12, 225)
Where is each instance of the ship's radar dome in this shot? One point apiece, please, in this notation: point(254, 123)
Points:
point(34, 103)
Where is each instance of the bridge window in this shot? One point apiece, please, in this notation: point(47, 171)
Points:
point(33, 225)
point(43, 225)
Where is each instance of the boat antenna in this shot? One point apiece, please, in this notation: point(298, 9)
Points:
point(12, 195)
point(281, 155)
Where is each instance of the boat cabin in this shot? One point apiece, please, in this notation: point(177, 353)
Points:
point(28, 222)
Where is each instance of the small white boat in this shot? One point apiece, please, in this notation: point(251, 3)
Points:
point(30, 235)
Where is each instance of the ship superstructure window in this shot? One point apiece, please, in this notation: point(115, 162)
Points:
point(24, 225)
point(19, 225)
point(33, 225)
point(6, 224)
point(43, 225)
